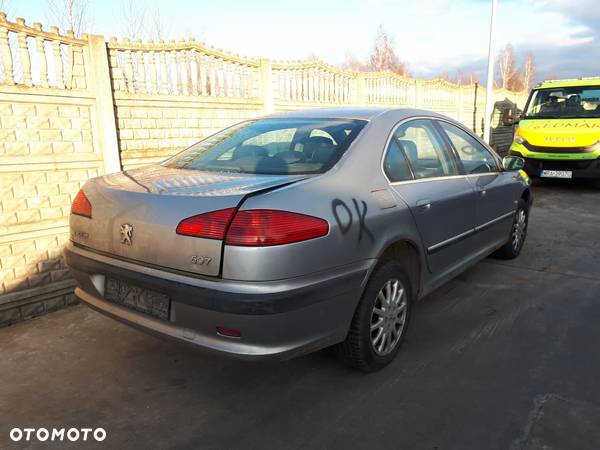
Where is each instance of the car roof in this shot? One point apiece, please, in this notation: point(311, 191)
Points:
point(592, 81)
point(355, 113)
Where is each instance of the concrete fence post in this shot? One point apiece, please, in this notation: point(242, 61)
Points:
point(418, 94)
point(105, 124)
point(460, 104)
point(266, 85)
point(361, 89)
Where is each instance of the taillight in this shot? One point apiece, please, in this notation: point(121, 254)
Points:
point(81, 205)
point(211, 225)
point(264, 227)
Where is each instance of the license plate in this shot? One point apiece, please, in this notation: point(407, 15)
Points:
point(143, 300)
point(556, 174)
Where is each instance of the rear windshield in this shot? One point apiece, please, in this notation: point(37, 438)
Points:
point(272, 146)
point(564, 103)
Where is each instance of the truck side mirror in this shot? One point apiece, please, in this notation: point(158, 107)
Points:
point(509, 120)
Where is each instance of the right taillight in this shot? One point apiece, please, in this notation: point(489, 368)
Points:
point(81, 205)
point(265, 227)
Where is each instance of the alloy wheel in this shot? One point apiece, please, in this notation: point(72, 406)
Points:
point(388, 318)
point(519, 229)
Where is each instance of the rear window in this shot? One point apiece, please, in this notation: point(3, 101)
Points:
point(272, 146)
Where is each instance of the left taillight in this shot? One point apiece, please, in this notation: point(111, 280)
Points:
point(81, 205)
point(254, 227)
point(210, 225)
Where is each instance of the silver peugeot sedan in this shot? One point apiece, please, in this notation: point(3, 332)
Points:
point(286, 234)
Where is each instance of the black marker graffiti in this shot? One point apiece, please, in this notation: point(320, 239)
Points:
point(335, 204)
point(345, 226)
point(361, 220)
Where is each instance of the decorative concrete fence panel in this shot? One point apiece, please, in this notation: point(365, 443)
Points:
point(72, 108)
point(50, 146)
point(169, 95)
point(312, 82)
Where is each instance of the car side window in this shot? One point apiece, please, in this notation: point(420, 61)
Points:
point(423, 146)
point(475, 157)
point(395, 165)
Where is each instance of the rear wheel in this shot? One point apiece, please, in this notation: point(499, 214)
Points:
point(380, 320)
point(518, 233)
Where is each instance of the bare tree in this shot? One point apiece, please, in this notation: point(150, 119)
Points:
point(507, 66)
point(460, 76)
point(528, 72)
point(383, 55)
point(446, 76)
point(160, 27)
point(132, 19)
point(351, 62)
point(473, 78)
point(511, 77)
point(69, 14)
point(6, 6)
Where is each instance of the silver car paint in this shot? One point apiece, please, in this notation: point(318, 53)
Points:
point(153, 200)
point(451, 221)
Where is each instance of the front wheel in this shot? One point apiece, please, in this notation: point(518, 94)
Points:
point(518, 233)
point(380, 320)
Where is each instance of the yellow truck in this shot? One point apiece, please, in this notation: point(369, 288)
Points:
point(558, 133)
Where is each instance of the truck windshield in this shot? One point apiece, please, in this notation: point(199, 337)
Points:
point(272, 146)
point(564, 103)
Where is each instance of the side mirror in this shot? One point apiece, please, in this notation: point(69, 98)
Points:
point(513, 163)
point(509, 120)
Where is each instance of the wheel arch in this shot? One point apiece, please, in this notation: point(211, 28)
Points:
point(407, 252)
point(526, 196)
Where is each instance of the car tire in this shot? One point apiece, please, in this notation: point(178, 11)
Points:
point(518, 233)
point(361, 350)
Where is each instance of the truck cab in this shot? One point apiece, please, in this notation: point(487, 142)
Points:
point(558, 134)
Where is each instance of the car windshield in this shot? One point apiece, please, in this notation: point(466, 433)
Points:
point(564, 103)
point(272, 146)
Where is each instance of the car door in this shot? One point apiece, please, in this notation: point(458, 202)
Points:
point(496, 190)
point(424, 173)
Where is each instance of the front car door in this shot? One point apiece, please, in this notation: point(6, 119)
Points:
point(424, 173)
point(496, 189)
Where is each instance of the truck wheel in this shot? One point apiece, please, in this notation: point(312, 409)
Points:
point(518, 233)
point(380, 320)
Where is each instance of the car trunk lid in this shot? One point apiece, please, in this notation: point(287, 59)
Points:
point(135, 214)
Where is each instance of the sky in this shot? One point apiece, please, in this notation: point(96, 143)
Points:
point(432, 36)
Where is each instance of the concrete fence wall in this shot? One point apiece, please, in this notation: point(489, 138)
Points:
point(74, 108)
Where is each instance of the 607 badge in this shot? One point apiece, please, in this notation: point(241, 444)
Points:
point(201, 260)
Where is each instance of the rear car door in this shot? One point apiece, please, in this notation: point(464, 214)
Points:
point(496, 189)
point(424, 173)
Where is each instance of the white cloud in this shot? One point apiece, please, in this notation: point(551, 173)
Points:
point(436, 35)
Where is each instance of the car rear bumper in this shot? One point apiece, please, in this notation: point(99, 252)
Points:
point(276, 319)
